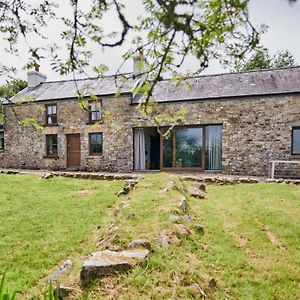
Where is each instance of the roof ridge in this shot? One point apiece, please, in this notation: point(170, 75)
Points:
point(88, 78)
point(237, 73)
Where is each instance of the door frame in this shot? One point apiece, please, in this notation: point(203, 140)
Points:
point(196, 169)
point(67, 151)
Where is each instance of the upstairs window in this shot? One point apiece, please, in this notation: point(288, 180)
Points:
point(95, 143)
point(95, 111)
point(296, 140)
point(1, 141)
point(51, 145)
point(51, 114)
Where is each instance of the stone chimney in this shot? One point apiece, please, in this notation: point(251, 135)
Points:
point(139, 64)
point(35, 77)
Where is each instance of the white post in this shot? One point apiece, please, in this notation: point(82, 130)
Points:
point(272, 169)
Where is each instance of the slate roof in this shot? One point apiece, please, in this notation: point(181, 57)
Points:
point(66, 89)
point(227, 85)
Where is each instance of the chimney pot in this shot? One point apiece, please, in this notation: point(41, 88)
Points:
point(37, 67)
point(139, 63)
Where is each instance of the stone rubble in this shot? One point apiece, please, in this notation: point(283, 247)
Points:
point(109, 262)
point(139, 243)
point(61, 271)
point(199, 228)
point(63, 292)
point(195, 190)
point(181, 230)
point(47, 176)
point(174, 219)
point(183, 204)
point(187, 218)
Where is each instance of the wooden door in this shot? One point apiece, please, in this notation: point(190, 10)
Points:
point(73, 150)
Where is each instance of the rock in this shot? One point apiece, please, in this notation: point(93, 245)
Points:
point(187, 218)
point(195, 191)
point(130, 185)
point(174, 219)
point(62, 270)
point(197, 290)
point(163, 240)
point(131, 215)
point(140, 243)
point(47, 176)
point(183, 204)
point(125, 204)
point(108, 262)
point(199, 228)
point(182, 230)
point(63, 292)
point(202, 187)
point(212, 284)
point(168, 237)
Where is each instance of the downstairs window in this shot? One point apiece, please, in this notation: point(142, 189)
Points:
point(51, 145)
point(193, 147)
point(296, 140)
point(1, 141)
point(96, 143)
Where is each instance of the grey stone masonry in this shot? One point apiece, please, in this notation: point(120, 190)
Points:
point(255, 130)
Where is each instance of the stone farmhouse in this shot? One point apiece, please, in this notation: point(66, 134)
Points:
point(233, 123)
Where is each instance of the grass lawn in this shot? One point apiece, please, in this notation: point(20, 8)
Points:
point(250, 247)
point(44, 222)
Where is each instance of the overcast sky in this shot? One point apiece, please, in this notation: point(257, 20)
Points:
point(282, 18)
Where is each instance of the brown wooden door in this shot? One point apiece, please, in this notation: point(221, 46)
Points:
point(73, 150)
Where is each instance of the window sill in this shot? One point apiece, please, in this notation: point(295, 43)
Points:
point(50, 125)
point(51, 157)
point(94, 122)
point(295, 156)
point(95, 155)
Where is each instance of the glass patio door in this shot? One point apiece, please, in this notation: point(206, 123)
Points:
point(184, 149)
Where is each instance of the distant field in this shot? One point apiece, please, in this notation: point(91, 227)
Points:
point(250, 247)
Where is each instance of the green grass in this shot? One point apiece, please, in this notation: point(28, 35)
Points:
point(44, 222)
point(250, 247)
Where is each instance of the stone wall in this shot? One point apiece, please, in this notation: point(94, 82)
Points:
point(255, 130)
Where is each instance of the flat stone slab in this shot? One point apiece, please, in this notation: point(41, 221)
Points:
point(109, 262)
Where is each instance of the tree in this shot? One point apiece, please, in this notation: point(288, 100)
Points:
point(12, 88)
point(9, 90)
point(263, 60)
point(168, 33)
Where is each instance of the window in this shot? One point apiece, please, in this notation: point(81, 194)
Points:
point(95, 143)
point(95, 111)
point(51, 145)
point(1, 141)
point(184, 148)
point(296, 140)
point(193, 147)
point(51, 114)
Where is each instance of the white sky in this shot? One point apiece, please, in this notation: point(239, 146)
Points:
point(282, 18)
